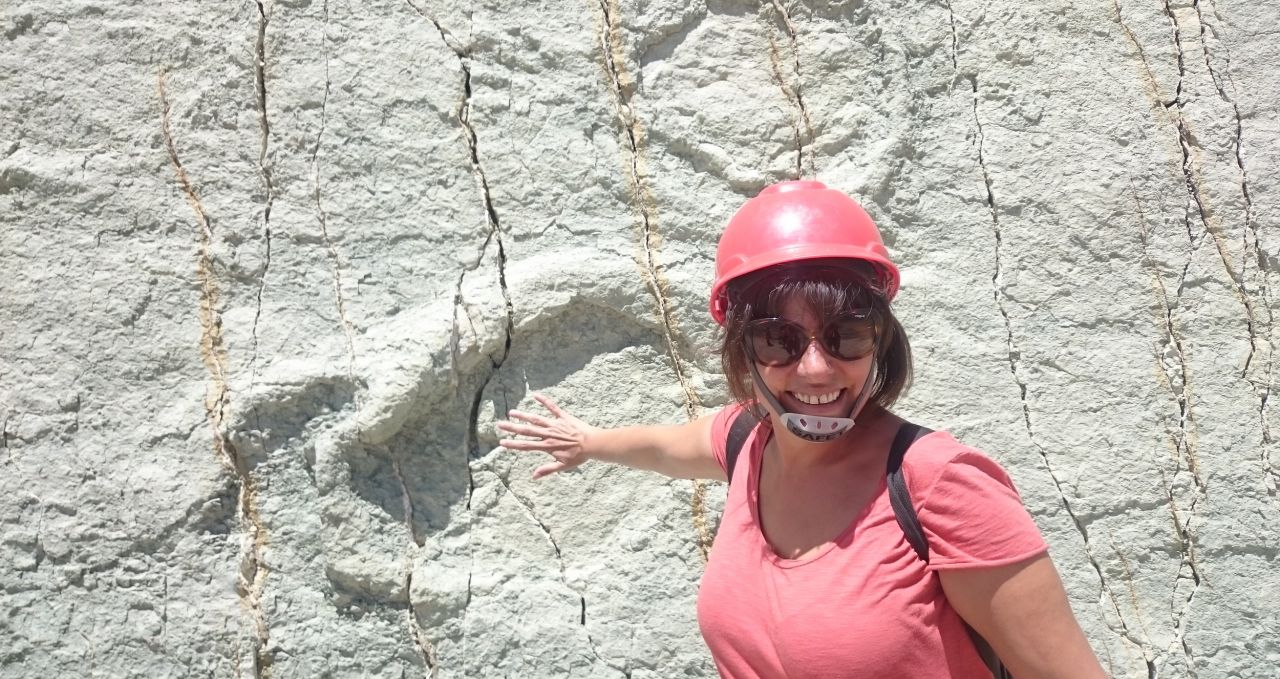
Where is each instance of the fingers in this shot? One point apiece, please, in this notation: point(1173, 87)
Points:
point(530, 430)
point(553, 467)
point(524, 444)
point(549, 404)
point(547, 469)
point(531, 418)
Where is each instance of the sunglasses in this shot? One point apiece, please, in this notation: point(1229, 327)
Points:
point(777, 342)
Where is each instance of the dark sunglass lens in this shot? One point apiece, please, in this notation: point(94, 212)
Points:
point(850, 336)
point(774, 341)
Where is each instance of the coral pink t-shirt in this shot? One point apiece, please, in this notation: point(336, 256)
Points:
point(864, 606)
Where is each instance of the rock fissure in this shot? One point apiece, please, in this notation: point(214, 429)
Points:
point(425, 649)
point(1177, 380)
point(591, 642)
point(4, 440)
point(493, 235)
point(1195, 192)
point(644, 203)
point(406, 503)
point(533, 516)
point(1186, 547)
point(1015, 354)
point(801, 124)
point(1143, 644)
point(322, 216)
point(564, 577)
point(1153, 87)
point(265, 170)
point(1252, 241)
point(955, 37)
point(253, 571)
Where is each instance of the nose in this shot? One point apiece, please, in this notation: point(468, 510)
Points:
point(814, 361)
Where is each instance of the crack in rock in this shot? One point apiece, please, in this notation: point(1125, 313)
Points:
point(1186, 547)
point(493, 236)
point(955, 37)
point(322, 216)
point(1252, 244)
point(564, 577)
point(1014, 354)
point(1143, 644)
point(253, 571)
point(1176, 378)
point(265, 170)
point(801, 124)
point(426, 650)
point(268, 185)
point(621, 85)
point(1195, 193)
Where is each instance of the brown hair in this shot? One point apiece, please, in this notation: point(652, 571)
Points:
point(826, 289)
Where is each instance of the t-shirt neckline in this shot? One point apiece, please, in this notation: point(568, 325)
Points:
point(753, 502)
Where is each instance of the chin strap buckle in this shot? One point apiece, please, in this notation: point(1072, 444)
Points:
point(815, 428)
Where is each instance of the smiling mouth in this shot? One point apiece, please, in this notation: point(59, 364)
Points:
point(817, 399)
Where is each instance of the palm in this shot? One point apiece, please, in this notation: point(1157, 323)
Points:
point(562, 436)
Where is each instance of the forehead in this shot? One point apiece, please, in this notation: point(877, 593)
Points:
point(812, 298)
point(799, 310)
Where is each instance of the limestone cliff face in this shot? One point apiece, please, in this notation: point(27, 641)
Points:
point(269, 270)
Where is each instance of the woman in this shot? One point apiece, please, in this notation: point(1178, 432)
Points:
point(812, 573)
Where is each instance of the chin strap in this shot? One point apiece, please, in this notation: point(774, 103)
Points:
point(813, 427)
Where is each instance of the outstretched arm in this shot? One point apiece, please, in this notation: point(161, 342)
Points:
point(1022, 611)
point(680, 451)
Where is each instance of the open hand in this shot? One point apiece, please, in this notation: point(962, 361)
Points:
point(562, 436)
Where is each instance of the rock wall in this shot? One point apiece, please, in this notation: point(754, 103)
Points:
point(269, 269)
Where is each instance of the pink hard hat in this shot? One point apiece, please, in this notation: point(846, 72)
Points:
point(794, 221)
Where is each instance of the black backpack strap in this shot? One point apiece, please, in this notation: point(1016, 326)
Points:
point(899, 497)
point(905, 512)
point(741, 427)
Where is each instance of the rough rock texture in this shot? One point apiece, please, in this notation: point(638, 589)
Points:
point(269, 269)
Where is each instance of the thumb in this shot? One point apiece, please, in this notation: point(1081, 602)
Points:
point(549, 468)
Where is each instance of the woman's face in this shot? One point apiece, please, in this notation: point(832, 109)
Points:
point(817, 383)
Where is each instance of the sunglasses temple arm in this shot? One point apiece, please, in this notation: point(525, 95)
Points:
point(768, 395)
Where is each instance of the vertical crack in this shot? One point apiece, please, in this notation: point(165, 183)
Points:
point(322, 216)
point(564, 577)
point(421, 643)
point(493, 236)
point(1186, 547)
point(620, 85)
point(4, 438)
point(1015, 355)
point(801, 124)
point(253, 570)
point(1195, 193)
point(268, 184)
point(1183, 443)
point(1177, 379)
point(1252, 245)
point(1143, 644)
point(1153, 87)
point(955, 37)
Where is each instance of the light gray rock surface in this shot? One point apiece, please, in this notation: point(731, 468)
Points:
point(270, 270)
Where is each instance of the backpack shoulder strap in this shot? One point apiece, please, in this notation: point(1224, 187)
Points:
point(741, 427)
point(899, 497)
point(905, 512)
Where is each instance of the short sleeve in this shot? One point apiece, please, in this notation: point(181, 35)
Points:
point(973, 517)
point(720, 432)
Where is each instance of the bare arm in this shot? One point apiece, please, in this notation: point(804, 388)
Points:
point(1023, 612)
point(680, 451)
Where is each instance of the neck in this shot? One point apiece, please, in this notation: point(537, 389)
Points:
point(860, 446)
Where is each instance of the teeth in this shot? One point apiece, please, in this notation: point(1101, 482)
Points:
point(817, 399)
